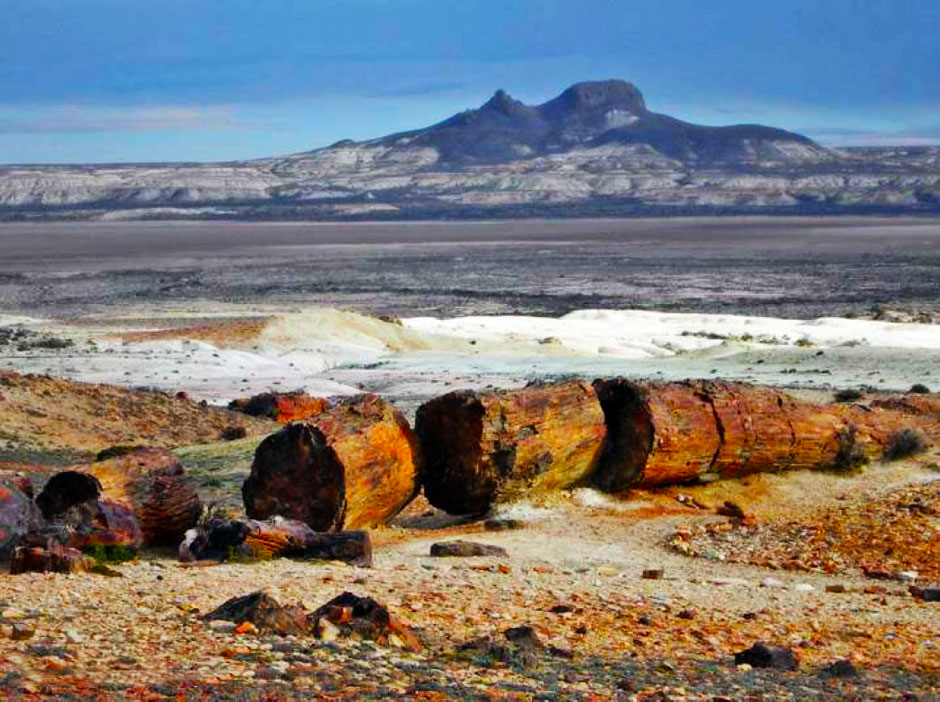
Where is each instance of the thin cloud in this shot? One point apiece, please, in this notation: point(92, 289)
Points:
point(81, 119)
point(845, 136)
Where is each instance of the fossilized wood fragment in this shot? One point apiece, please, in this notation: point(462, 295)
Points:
point(18, 516)
point(354, 466)
point(53, 559)
point(483, 448)
point(282, 407)
point(154, 484)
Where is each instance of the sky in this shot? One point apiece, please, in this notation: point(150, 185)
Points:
point(193, 80)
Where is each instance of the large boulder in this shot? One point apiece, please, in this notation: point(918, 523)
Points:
point(480, 448)
point(282, 407)
point(154, 484)
point(355, 465)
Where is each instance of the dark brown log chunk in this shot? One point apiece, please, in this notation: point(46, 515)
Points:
point(354, 466)
point(154, 484)
point(53, 559)
point(18, 516)
point(466, 549)
point(483, 448)
point(282, 407)
point(266, 612)
point(364, 618)
point(65, 490)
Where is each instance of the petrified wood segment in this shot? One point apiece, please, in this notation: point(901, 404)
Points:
point(353, 466)
point(482, 448)
point(154, 484)
point(18, 516)
point(54, 559)
point(669, 433)
point(282, 407)
point(67, 489)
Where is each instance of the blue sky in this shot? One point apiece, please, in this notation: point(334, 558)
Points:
point(139, 80)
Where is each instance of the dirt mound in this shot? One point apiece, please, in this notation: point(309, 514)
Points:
point(39, 413)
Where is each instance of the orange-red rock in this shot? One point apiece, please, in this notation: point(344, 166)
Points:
point(154, 484)
point(283, 407)
point(482, 448)
point(354, 465)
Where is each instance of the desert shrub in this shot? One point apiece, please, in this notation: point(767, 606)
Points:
point(919, 389)
point(233, 433)
point(804, 343)
point(848, 395)
point(115, 553)
point(905, 443)
point(850, 456)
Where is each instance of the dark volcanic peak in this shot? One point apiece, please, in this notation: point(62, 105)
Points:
point(592, 114)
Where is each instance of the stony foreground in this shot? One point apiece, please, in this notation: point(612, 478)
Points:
point(574, 572)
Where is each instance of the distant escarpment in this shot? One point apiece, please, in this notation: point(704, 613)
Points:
point(594, 149)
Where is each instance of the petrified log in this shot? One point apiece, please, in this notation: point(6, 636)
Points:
point(77, 517)
point(282, 407)
point(53, 559)
point(278, 537)
point(18, 516)
point(154, 484)
point(353, 466)
point(670, 433)
point(483, 448)
point(364, 618)
point(265, 612)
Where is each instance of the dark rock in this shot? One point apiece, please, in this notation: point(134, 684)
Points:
point(364, 618)
point(233, 433)
point(54, 559)
point(467, 549)
point(65, 490)
point(653, 574)
point(503, 524)
point(926, 594)
point(19, 515)
point(265, 612)
point(761, 655)
point(732, 510)
point(840, 669)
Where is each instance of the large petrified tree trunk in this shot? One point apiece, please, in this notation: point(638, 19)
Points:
point(482, 448)
point(283, 407)
point(669, 433)
point(18, 515)
point(154, 484)
point(354, 466)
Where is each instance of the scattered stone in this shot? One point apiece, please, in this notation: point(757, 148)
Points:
point(222, 625)
point(772, 582)
point(840, 669)
point(467, 549)
point(732, 510)
point(54, 559)
point(907, 576)
point(761, 655)
point(364, 618)
point(608, 571)
point(265, 612)
point(687, 614)
point(503, 524)
point(653, 574)
point(803, 587)
point(836, 588)
point(21, 632)
point(926, 594)
point(233, 433)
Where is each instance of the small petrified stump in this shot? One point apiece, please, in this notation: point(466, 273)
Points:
point(761, 655)
point(265, 612)
point(282, 407)
point(154, 484)
point(483, 448)
point(53, 559)
point(78, 517)
point(364, 618)
point(353, 466)
point(223, 539)
point(18, 516)
point(467, 549)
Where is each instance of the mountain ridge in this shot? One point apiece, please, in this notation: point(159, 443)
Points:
point(596, 147)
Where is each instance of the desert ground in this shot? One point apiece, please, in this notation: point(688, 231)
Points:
point(141, 334)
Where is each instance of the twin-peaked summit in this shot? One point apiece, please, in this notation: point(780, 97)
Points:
point(594, 114)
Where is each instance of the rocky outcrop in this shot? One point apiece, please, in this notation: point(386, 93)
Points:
point(154, 484)
point(355, 465)
point(281, 407)
point(483, 448)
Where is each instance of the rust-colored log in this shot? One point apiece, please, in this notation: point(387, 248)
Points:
point(354, 466)
point(282, 407)
point(483, 448)
point(154, 484)
point(18, 515)
point(669, 433)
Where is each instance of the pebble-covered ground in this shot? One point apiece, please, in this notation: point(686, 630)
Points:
point(574, 572)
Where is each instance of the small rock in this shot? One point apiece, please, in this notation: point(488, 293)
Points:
point(653, 574)
point(73, 636)
point(246, 628)
point(761, 655)
point(467, 549)
point(222, 625)
point(687, 614)
point(644, 620)
point(713, 555)
point(837, 588)
point(503, 524)
point(772, 582)
point(729, 581)
point(21, 632)
point(608, 571)
point(732, 510)
point(326, 630)
point(840, 669)
point(927, 594)
point(907, 576)
point(803, 587)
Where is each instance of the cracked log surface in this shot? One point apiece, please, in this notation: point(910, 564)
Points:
point(670, 433)
point(154, 484)
point(484, 448)
point(355, 465)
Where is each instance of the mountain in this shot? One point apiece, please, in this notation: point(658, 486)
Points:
point(594, 149)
